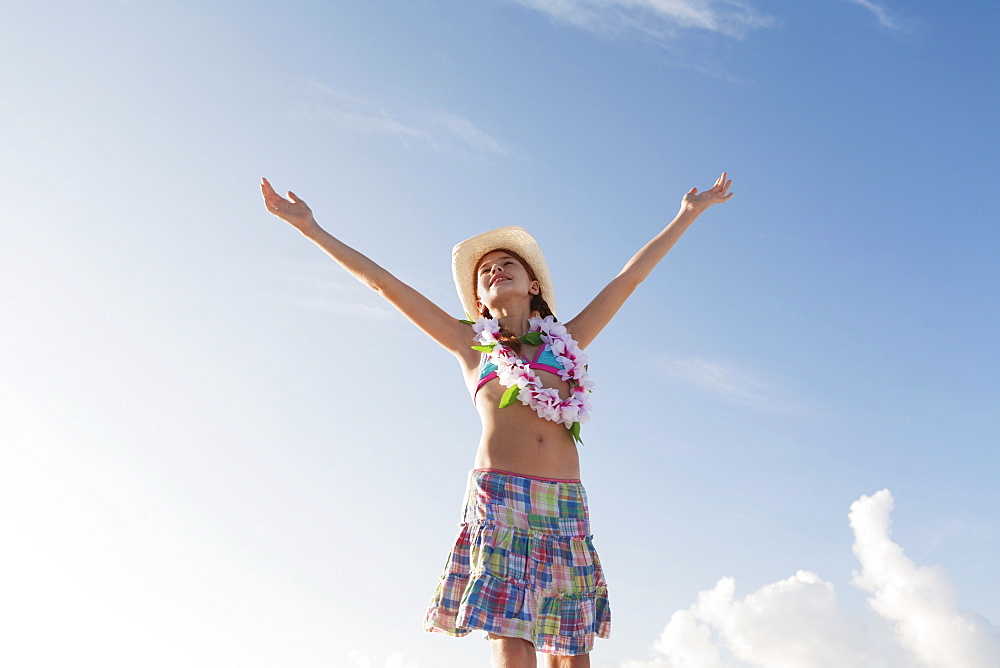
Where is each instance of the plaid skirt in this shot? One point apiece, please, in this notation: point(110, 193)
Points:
point(524, 566)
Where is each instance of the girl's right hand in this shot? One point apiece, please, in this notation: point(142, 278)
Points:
point(293, 211)
point(699, 201)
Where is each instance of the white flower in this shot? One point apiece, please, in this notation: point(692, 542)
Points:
point(487, 330)
point(567, 367)
point(547, 403)
point(558, 348)
point(570, 412)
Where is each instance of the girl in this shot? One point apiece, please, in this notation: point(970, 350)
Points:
point(523, 568)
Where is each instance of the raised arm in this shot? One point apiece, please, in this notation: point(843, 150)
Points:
point(588, 324)
point(425, 314)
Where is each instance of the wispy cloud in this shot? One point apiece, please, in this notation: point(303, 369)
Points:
point(798, 622)
point(734, 385)
point(466, 132)
point(659, 19)
point(881, 14)
point(315, 289)
point(434, 128)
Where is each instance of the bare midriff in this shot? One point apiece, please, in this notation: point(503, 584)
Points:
point(516, 439)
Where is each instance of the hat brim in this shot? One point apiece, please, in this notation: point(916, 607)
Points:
point(513, 238)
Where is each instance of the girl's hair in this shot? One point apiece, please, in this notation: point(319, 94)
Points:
point(538, 305)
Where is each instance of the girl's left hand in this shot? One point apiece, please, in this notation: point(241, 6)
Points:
point(698, 202)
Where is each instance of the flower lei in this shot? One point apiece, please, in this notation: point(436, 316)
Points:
point(522, 382)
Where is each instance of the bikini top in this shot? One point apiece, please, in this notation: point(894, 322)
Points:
point(545, 360)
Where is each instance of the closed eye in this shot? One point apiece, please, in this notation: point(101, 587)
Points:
point(505, 263)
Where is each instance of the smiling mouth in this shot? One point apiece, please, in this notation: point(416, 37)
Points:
point(498, 278)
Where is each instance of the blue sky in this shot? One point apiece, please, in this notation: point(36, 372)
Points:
point(216, 449)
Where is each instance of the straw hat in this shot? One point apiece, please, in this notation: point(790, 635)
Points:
point(513, 238)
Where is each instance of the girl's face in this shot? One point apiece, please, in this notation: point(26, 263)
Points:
point(500, 277)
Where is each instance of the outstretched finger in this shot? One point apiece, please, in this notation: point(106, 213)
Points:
point(272, 200)
point(267, 190)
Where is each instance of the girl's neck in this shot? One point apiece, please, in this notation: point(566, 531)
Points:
point(515, 320)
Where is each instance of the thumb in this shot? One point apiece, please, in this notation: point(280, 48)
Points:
point(293, 197)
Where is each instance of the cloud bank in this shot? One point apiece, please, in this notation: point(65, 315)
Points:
point(659, 19)
point(797, 623)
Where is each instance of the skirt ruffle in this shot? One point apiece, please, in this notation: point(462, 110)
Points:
point(524, 566)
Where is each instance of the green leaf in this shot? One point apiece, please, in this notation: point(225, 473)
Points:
point(510, 396)
point(532, 338)
point(575, 430)
point(485, 349)
point(467, 322)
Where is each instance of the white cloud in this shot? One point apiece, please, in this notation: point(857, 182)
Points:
point(358, 659)
point(919, 602)
point(659, 19)
point(437, 129)
point(734, 385)
point(797, 623)
point(792, 623)
point(880, 13)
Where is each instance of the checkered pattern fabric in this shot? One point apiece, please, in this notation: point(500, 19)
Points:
point(524, 566)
